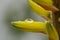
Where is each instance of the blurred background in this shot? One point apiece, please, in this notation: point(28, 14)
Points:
point(14, 10)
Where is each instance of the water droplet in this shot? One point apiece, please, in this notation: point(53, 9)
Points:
point(29, 20)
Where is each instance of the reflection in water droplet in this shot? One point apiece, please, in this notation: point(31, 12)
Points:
point(59, 19)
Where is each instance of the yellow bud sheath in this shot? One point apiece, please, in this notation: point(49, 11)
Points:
point(52, 33)
point(32, 26)
point(39, 9)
